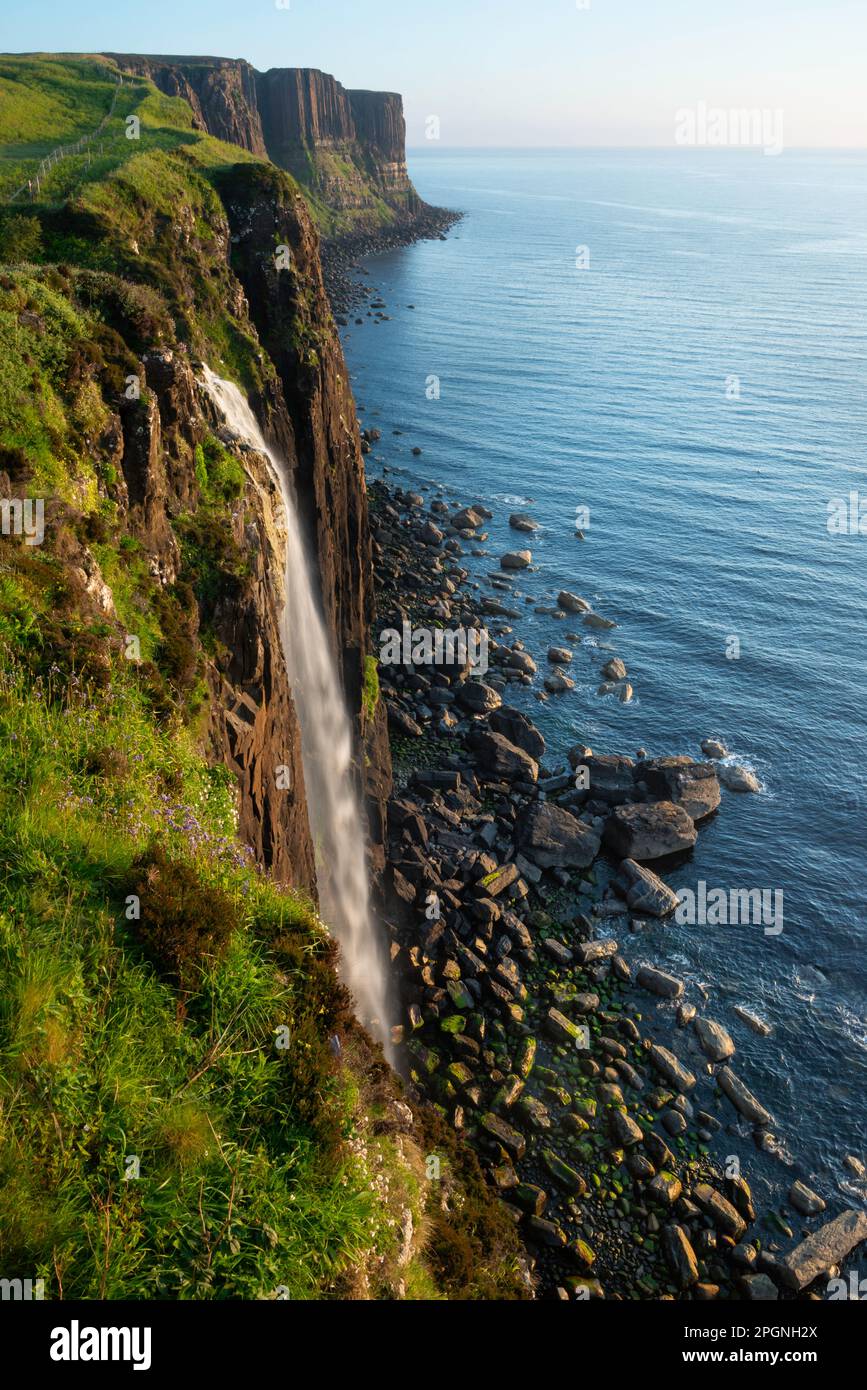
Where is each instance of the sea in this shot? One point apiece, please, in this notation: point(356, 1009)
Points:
point(668, 351)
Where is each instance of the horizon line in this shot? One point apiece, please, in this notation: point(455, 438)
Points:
point(636, 149)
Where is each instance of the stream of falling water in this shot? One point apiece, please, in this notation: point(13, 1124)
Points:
point(326, 744)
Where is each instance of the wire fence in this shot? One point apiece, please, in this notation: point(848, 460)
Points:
point(51, 160)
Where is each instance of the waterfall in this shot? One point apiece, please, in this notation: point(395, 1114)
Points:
point(326, 744)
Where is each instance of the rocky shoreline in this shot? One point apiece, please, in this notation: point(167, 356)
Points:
point(602, 1102)
point(341, 255)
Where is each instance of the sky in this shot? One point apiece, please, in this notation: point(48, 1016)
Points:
point(508, 73)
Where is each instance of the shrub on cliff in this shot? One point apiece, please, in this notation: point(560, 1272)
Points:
point(184, 923)
point(20, 237)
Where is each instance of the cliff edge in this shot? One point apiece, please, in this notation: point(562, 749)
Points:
point(346, 148)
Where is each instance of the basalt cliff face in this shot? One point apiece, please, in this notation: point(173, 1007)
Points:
point(220, 91)
point(346, 147)
point(291, 315)
point(252, 721)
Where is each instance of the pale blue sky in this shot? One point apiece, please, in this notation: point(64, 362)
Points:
point(516, 72)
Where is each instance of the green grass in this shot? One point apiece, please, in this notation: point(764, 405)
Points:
point(46, 101)
point(218, 473)
point(240, 1191)
point(370, 688)
point(39, 329)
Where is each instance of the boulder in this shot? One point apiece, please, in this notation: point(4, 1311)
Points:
point(497, 881)
point(467, 519)
point(645, 890)
point(518, 729)
point(737, 778)
point(516, 560)
point(680, 1255)
point(546, 1232)
point(562, 1029)
point(584, 1002)
point(824, 1249)
point(512, 1141)
point(624, 1129)
point(557, 683)
point(752, 1020)
point(478, 698)
point(714, 1040)
point(657, 982)
point(430, 534)
point(460, 995)
point(590, 952)
point(493, 608)
point(518, 660)
point(553, 838)
point(557, 951)
point(563, 1175)
point(759, 1288)
point(805, 1200)
point(572, 603)
point(520, 521)
point(615, 669)
point(742, 1098)
point(649, 831)
point(712, 748)
point(720, 1210)
point(665, 1189)
point(669, 1066)
point(502, 759)
point(559, 656)
point(611, 778)
point(401, 723)
point(694, 786)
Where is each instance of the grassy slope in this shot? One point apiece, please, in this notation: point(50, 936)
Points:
point(149, 1032)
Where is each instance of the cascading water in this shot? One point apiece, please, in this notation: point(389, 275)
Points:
point(326, 743)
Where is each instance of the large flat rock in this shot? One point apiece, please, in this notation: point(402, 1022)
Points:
point(649, 831)
point(689, 784)
point(823, 1249)
point(553, 838)
point(496, 756)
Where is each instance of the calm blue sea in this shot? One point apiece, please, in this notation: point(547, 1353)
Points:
point(699, 385)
